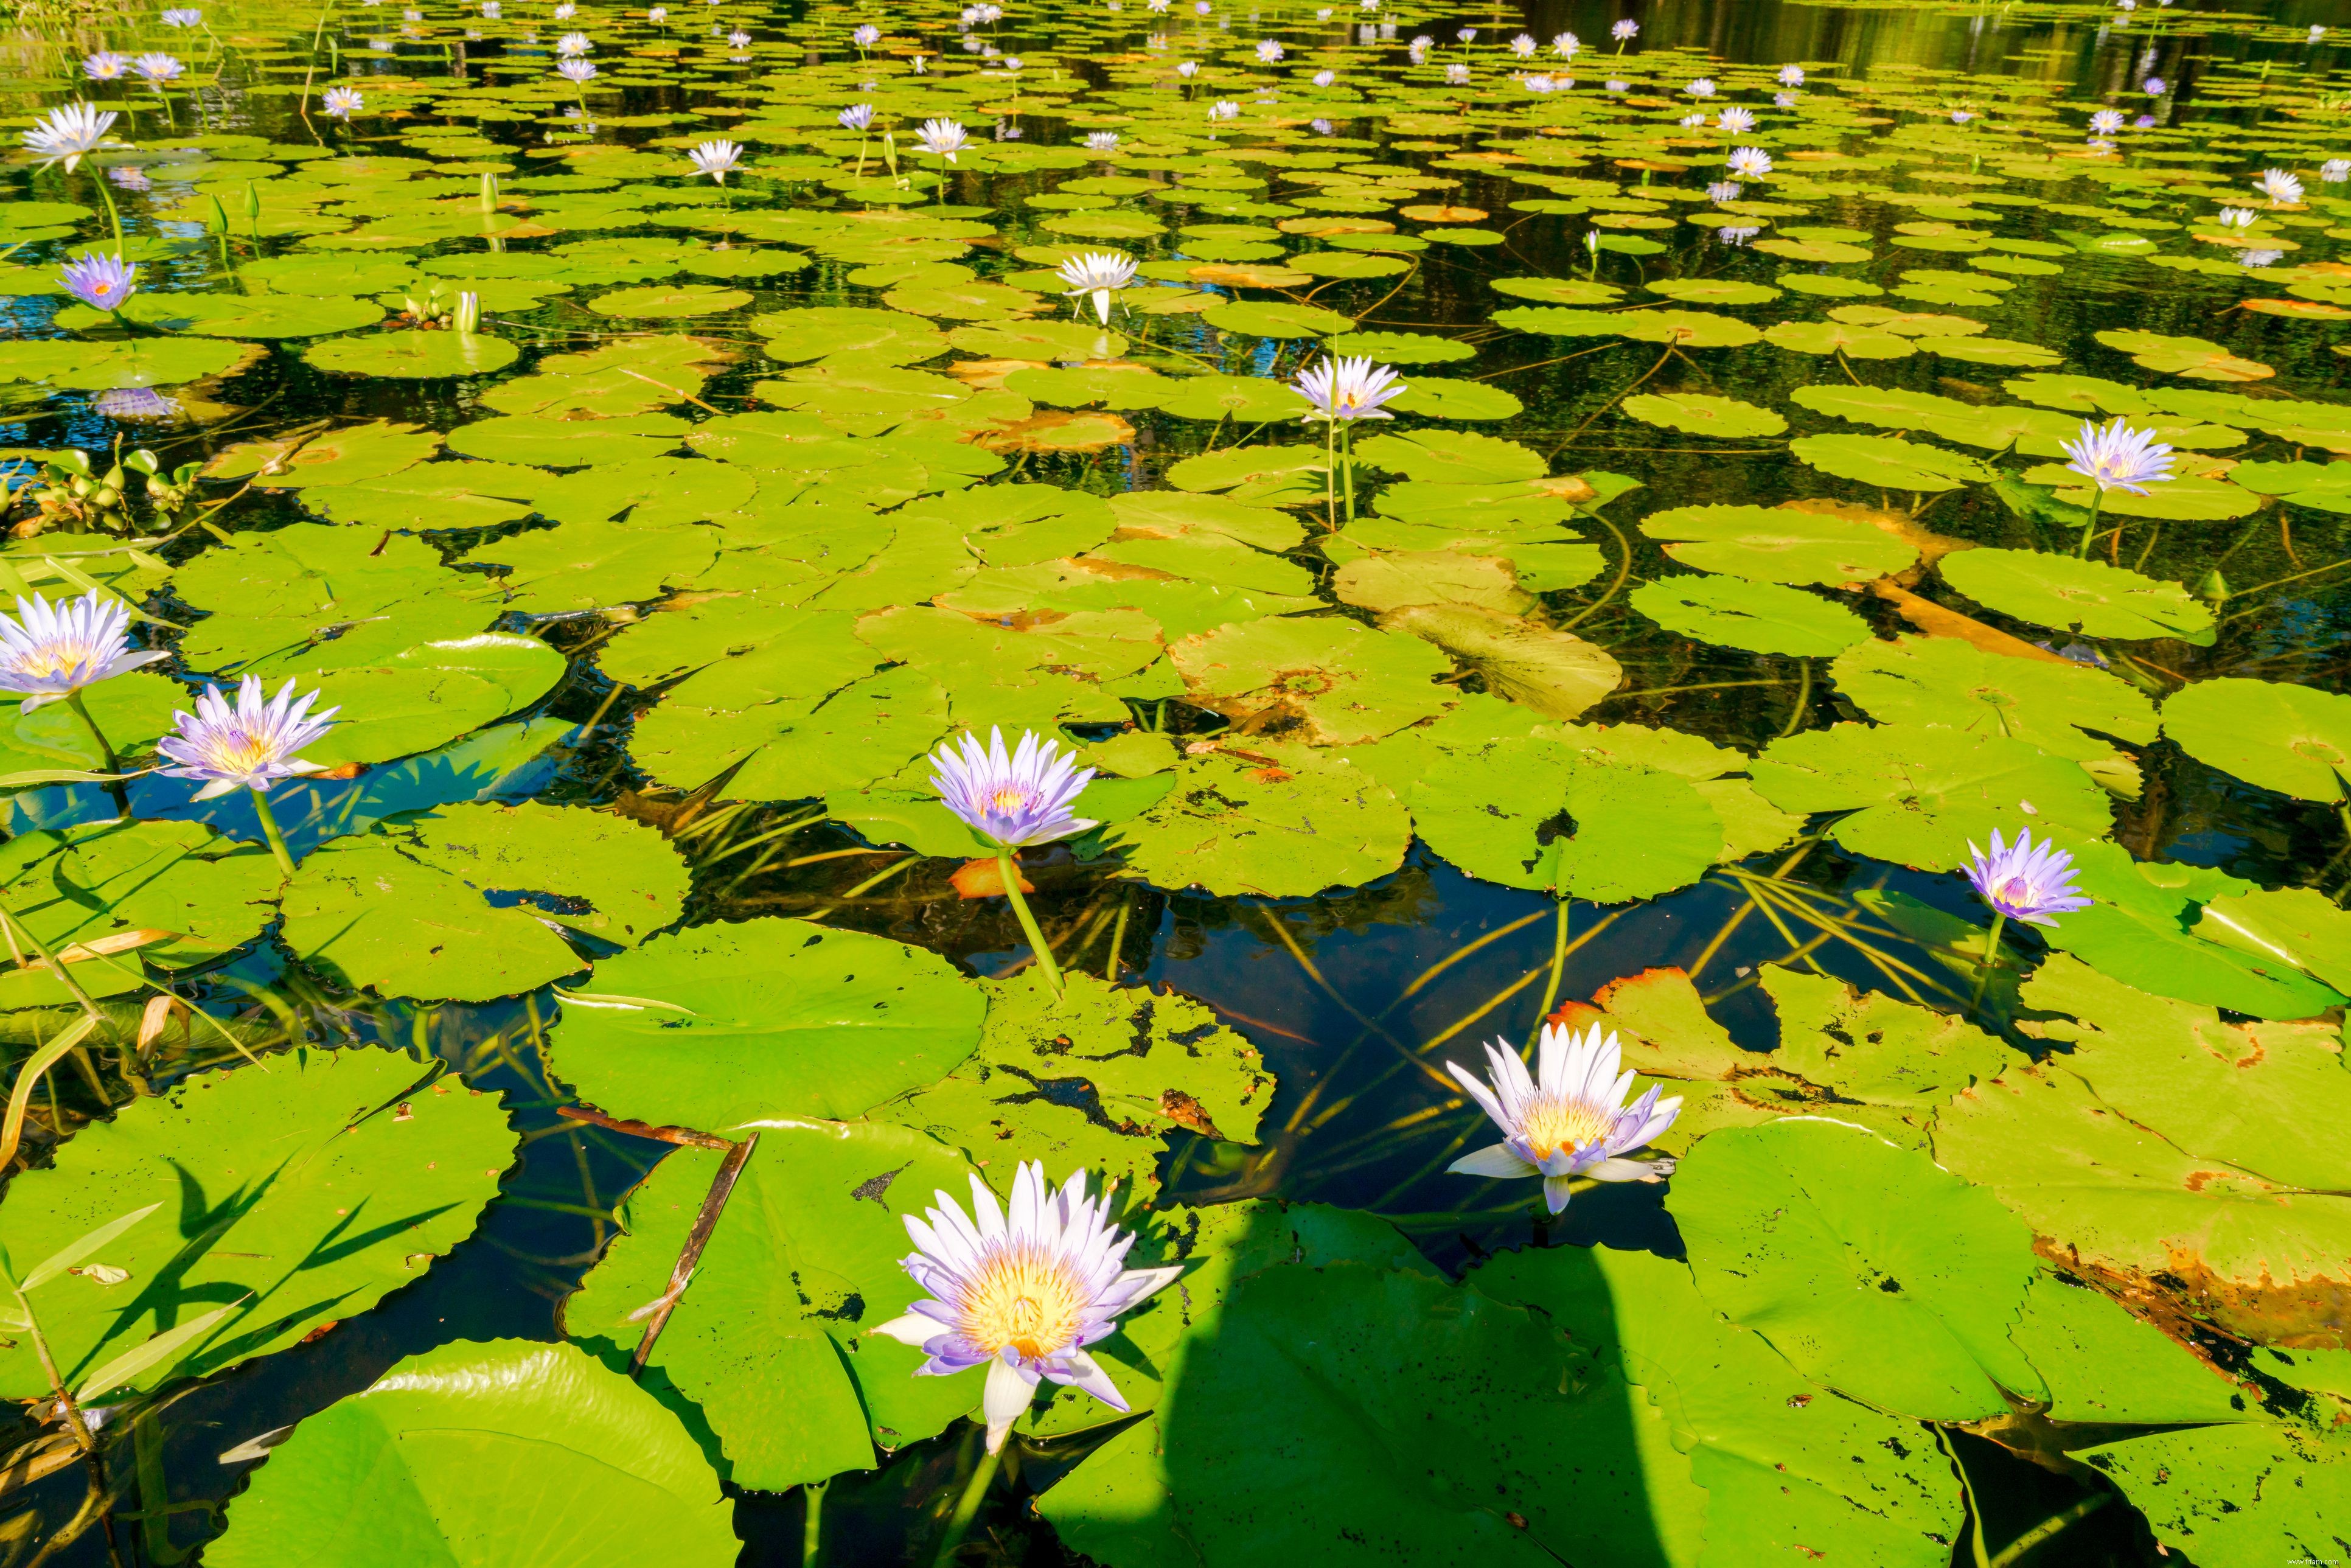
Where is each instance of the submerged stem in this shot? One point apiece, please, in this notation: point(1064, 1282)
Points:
point(1008, 867)
point(1991, 962)
point(966, 1507)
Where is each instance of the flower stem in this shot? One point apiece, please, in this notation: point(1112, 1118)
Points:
point(1347, 458)
point(107, 758)
point(975, 1490)
point(1008, 867)
point(270, 831)
point(2097, 498)
point(1991, 962)
point(1331, 473)
point(1558, 966)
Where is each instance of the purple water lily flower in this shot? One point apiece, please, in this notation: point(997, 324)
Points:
point(1344, 390)
point(249, 746)
point(2025, 882)
point(51, 650)
point(1015, 799)
point(1022, 1294)
point(1569, 1118)
point(2113, 456)
point(99, 280)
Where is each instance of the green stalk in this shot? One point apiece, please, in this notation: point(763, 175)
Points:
point(1991, 961)
point(2097, 499)
point(111, 763)
point(1331, 473)
point(1008, 867)
point(1347, 457)
point(1558, 966)
point(813, 1531)
point(270, 831)
point(975, 1490)
point(112, 215)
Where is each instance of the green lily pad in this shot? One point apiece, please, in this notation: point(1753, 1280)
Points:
point(294, 1193)
point(1091, 1080)
point(688, 1029)
point(1920, 794)
point(1328, 680)
point(420, 1466)
point(1759, 617)
point(1889, 464)
point(2086, 596)
point(466, 903)
point(2067, 709)
point(2290, 738)
point(1540, 814)
point(1701, 414)
point(1793, 1232)
point(1281, 824)
point(1775, 544)
point(413, 356)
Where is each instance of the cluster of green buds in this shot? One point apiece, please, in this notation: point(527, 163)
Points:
point(463, 314)
point(69, 492)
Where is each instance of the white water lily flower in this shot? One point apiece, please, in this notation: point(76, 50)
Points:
point(51, 650)
point(1023, 1295)
point(2279, 186)
point(717, 158)
point(1750, 163)
point(1569, 1119)
point(942, 138)
point(69, 132)
point(1099, 273)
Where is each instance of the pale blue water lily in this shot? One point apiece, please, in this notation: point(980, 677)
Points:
point(573, 46)
point(2113, 456)
point(2107, 122)
point(183, 16)
point(1344, 390)
point(2334, 170)
point(1565, 45)
point(1569, 1118)
point(105, 66)
point(856, 116)
point(1022, 1293)
point(1524, 45)
point(1735, 120)
point(158, 68)
point(576, 72)
point(100, 280)
point(1624, 29)
point(249, 746)
point(2023, 880)
point(48, 651)
point(342, 102)
point(1749, 162)
point(1792, 76)
point(1012, 798)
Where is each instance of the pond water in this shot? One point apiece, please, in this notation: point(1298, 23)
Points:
point(1829, 434)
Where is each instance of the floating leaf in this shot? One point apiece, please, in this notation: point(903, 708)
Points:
point(2086, 596)
point(422, 1464)
point(303, 1191)
point(1761, 617)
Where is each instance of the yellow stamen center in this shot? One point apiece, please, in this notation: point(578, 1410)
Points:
point(50, 659)
point(243, 753)
point(1008, 802)
point(1025, 1298)
point(2016, 893)
point(1554, 1123)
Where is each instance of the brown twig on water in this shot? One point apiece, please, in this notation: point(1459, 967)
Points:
point(722, 1186)
point(685, 1136)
